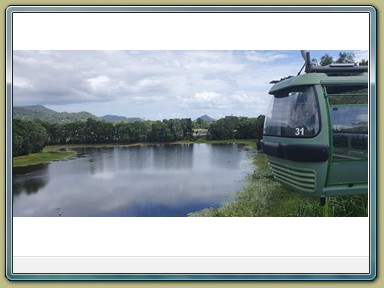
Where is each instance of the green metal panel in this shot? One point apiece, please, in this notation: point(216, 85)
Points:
point(317, 78)
point(348, 172)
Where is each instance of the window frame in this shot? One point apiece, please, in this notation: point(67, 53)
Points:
point(287, 91)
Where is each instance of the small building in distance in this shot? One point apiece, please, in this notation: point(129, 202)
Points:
point(200, 132)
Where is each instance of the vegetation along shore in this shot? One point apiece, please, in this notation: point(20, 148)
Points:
point(37, 141)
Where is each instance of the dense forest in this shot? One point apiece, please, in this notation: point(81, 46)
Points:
point(32, 136)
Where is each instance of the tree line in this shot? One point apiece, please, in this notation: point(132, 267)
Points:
point(344, 57)
point(33, 136)
point(232, 127)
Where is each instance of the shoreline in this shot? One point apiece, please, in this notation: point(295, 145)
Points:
point(248, 142)
point(52, 153)
point(44, 157)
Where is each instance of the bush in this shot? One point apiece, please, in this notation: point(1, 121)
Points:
point(28, 137)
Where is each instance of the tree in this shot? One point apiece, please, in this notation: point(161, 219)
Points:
point(201, 124)
point(223, 129)
point(176, 129)
point(345, 57)
point(363, 62)
point(140, 131)
point(123, 132)
point(326, 60)
point(259, 129)
point(91, 131)
point(28, 137)
point(159, 132)
point(187, 127)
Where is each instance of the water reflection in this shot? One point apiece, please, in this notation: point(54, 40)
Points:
point(155, 180)
point(231, 161)
point(136, 158)
point(29, 179)
point(173, 156)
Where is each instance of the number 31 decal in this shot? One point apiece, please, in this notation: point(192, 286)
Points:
point(299, 131)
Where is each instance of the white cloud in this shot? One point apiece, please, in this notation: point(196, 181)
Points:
point(207, 96)
point(98, 82)
point(243, 97)
point(264, 57)
point(147, 82)
point(22, 82)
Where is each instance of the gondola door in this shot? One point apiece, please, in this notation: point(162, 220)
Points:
point(348, 117)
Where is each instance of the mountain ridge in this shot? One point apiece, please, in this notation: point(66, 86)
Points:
point(32, 112)
point(116, 118)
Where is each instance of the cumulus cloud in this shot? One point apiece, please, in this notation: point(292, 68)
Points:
point(243, 97)
point(22, 82)
point(265, 56)
point(207, 96)
point(151, 83)
point(98, 82)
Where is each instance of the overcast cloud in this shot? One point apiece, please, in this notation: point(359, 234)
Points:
point(154, 85)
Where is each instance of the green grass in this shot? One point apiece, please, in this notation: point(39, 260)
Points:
point(251, 143)
point(41, 158)
point(262, 196)
point(55, 152)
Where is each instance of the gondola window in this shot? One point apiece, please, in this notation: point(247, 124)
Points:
point(349, 118)
point(293, 113)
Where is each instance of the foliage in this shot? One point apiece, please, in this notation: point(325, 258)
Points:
point(40, 158)
point(200, 123)
point(44, 114)
point(363, 62)
point(344, 57)
point(100, 132)
point(326, 60)
point(40, 112)
point(28, 137)
point(32, 136)
point(223, 128)
point(232, 127)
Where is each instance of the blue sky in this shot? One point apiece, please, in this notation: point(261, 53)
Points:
point(154, 85)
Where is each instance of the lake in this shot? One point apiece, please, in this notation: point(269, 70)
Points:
point(162, 180)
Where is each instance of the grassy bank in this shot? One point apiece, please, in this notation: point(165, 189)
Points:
point(251, 143)
point(263, 196)
point(55, 152)
point(46, 156)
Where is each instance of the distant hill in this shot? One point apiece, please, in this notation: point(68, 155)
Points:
point(40, 109)
point(206, 118)
point(32, 112)
point(43, 113)
point(115, 118)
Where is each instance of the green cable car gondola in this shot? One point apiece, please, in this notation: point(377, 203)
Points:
point(316, 130)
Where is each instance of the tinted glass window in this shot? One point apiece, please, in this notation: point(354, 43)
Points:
point(293, 113)
point(352, 94)
point(349, 118)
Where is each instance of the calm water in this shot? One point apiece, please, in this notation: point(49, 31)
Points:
point(154, 180)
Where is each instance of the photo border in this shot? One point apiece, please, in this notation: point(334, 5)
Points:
point(195, 9)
